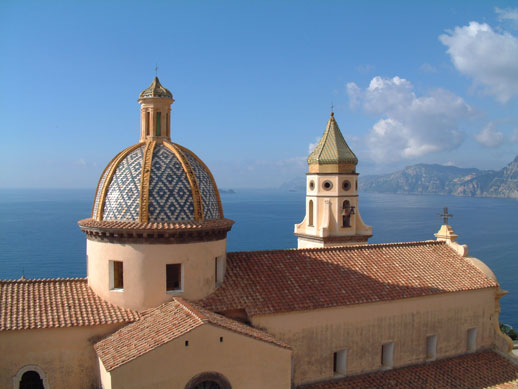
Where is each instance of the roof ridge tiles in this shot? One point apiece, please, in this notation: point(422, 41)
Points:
point(348, 247)
point(34, 280)
point(312, 278)
point(175, 318)
point(191, 309)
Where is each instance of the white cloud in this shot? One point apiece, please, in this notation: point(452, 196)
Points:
point(489, 57)
point(507, 14)
point(490, 136)
point(313, 145)
point(354, 93)
point(411, 126)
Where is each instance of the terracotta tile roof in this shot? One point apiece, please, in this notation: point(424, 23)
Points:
point(480, 370)
point(163, 324)
point(137, 226)
point(264, 282)
point(52, 303)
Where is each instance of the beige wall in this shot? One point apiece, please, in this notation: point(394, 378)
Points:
point(145, 271)
point(246, 362)
point(66, 355)
point(362, 329)
point(327, 210)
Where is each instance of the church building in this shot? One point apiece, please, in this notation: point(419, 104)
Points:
point(164, 305)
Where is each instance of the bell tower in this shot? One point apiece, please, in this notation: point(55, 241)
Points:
point(332, 213)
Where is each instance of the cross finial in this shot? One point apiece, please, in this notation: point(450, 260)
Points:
point(156, 70)
point(445, 215)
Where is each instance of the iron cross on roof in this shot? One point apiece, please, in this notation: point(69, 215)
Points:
point(445, 215)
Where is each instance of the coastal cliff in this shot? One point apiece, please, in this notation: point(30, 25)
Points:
point(450, 180)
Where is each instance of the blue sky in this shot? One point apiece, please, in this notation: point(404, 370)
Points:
point(411, 82)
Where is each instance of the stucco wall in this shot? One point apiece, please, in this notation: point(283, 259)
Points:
point(244, 361)
point(66, 355)
point(327, 210)
point(362, 329)
point(145, 271)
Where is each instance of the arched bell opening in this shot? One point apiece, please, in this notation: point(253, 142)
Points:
point(347, 212)
point(310, 213)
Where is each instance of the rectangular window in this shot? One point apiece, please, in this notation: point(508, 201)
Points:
point(219, 270)
point(147, 124)
point(472, 339)
point(387, 355)
point(173, 277)
point(340, 362)
point(431, 347)
point(116, 275)
point(158, 117)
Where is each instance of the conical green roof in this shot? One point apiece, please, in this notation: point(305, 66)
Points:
point(332, 148)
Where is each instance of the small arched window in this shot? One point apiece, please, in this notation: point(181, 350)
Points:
point(147, 124)
point(158, 123)
point(346, 213)
point(31, 380)
point(310, 213)
point(31, 377)
point(209, 380)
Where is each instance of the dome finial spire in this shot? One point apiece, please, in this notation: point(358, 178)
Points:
point(332, 109)
point(156, 70)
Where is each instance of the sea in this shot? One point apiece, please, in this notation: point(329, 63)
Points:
point(39, 236)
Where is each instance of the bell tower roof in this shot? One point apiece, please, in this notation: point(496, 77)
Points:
point(156, 90)
point(332, 148)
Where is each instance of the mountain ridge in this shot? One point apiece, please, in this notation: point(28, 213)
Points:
point(448, 180)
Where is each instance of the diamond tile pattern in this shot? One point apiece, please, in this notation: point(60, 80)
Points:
point(208, 193)
point(122, 200)
point(99, 190)
point(170, 194)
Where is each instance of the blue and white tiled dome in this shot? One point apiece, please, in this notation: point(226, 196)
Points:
point(156, 181)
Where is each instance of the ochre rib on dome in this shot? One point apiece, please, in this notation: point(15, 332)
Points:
point(156, 182)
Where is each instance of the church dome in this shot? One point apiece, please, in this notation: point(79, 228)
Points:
point(156, 182)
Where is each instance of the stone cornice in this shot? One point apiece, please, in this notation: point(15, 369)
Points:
point(156, 233)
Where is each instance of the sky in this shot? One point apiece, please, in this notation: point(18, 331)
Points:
point(253, 82)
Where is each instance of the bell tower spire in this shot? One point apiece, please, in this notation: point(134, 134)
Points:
point(332, 214)
point(155, 112)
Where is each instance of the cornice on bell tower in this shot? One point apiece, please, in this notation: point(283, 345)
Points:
point(332, 213)
point(155, 112)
